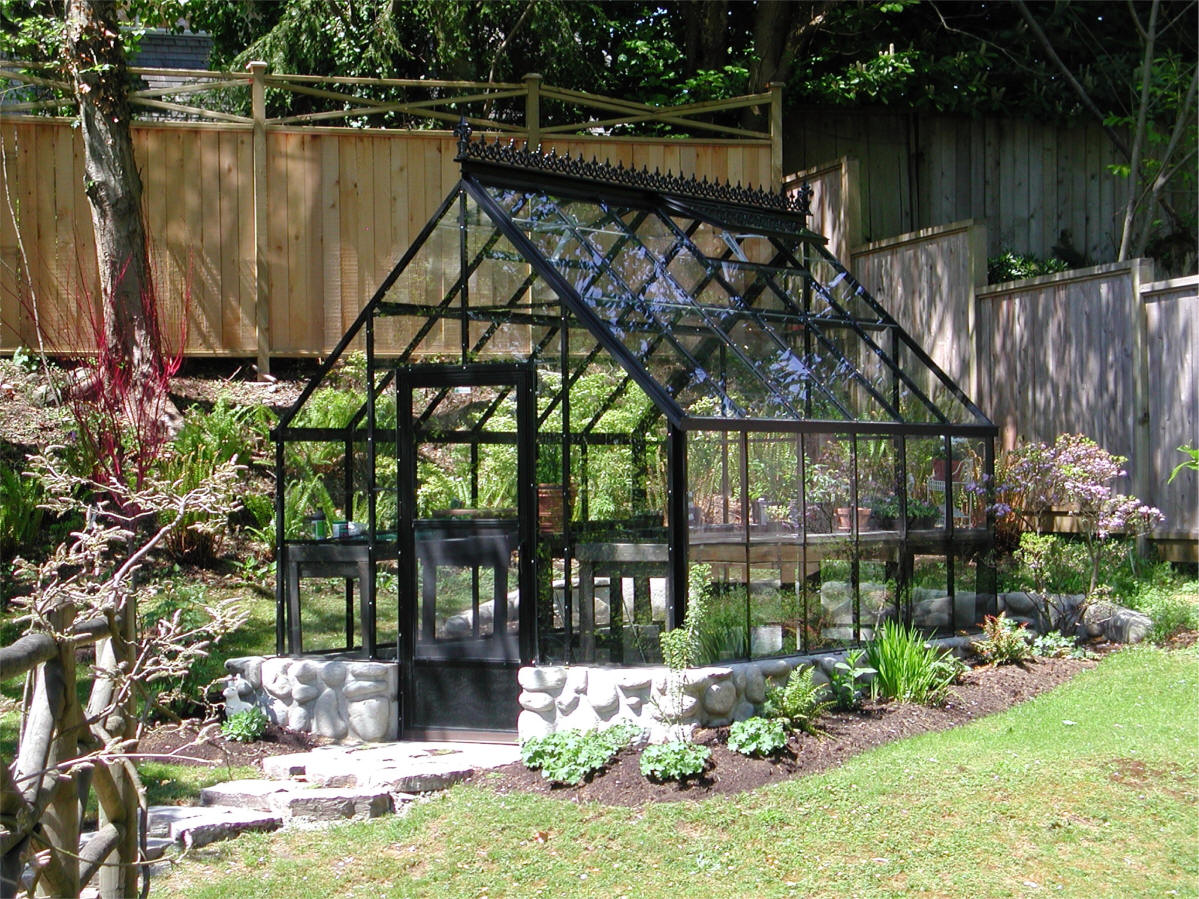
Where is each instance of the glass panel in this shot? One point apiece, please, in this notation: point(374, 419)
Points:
point(837, 599)
point(878, 486)
point(775, 606)
point(724, 631)
point(774, 484)
point(878, 570)
point(926, 495)
point(827, 484)
point(932, 609)
point(714, 487)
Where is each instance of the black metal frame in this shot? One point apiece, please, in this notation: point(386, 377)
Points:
point(698, 331)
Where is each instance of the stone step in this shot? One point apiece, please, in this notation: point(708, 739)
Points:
point(303, 802)
point(194, 826)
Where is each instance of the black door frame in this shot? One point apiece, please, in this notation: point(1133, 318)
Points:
point(522, 379)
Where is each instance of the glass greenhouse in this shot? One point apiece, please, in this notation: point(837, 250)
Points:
point(586, 390)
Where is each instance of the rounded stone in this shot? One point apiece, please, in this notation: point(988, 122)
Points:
point(368, 670)
point(279, 687)
point(634, 704)
point(635, 680)
point(369, 719)
point(536, 702)
point(576, 680)
point(334, 674)
point(739, 680)
point(530, 725)
point(743, 711)
point(298, 718)
point(567, 701)
point(774, 668)
point(720, 698)
point(305, 692)
point(304, 672)
point(328, 717)
point(363, 689)
point(603, 698)
point(755, 684)
point(542, 680)
point(1019, 603)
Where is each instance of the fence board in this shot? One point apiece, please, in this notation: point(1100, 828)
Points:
point(1172, 313)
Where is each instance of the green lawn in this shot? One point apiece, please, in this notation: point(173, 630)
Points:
point(1088, 791)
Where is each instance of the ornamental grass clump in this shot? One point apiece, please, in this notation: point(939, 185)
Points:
point(571, 756)
point(907, 668)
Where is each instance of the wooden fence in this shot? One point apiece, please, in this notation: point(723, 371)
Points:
point(1103, 351)
point(1027, 181)
point(268, 234)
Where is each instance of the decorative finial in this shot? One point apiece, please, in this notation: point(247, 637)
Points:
point(462, 131)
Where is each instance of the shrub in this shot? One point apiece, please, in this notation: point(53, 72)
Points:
point(758, 736)
point(843, 682)
point(676, 760)
point(20, 514)
point(799, 703)
point(1004, 641)
point(245, 726)
point(1012, 266)
point(571, 756)
point(908, 669)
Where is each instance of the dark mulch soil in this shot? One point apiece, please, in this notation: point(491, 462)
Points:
point(982, 691)
point(191, 743)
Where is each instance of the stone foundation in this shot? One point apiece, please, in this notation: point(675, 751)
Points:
point(336, 698)
point(359, 700)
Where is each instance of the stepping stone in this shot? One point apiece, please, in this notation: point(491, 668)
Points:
point(252, 794)
point(194, 826)
point(283, 767)
point(331, 804)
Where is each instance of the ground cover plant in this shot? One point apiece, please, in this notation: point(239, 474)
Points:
point(799, 702)
point(1004, 641)
point(570, 756)
point(1094, 783)
point(758, 736)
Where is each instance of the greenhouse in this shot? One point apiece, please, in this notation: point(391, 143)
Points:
point(586, 392)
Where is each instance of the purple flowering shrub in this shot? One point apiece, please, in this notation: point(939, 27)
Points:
point(1074, 474)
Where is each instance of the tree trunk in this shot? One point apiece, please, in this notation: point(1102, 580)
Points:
point(96, 60)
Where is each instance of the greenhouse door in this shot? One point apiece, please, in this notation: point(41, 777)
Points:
point(466, 543)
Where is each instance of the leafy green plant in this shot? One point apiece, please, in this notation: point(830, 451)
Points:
point(20, 514)
point(843, 681)
point(758, 736)
point(571, 756)
point(1004, 641)
point(907, 668)
point(799, 703)
point(1191, 463)
point(1056, 645)
point(245, 726)
point(1012, 266)
point(676, 760)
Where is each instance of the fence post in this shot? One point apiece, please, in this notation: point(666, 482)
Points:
point(1143, 480)
point(533, 110)
point(776, 134)
point(262, 318)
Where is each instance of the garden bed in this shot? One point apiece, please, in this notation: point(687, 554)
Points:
point(981, 691)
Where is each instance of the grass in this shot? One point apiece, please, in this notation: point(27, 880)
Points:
point(1087, 790)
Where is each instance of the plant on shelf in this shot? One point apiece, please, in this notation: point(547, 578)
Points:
point(921, 514)
point(758, 736)
point(798, 703)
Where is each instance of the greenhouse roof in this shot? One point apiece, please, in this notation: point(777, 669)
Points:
point(716, 300)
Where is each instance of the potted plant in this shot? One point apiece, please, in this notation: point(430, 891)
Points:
point(552, 510)
point(941, 464)
point(922, 514)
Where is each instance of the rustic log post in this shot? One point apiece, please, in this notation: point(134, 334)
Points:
point(262, 295)
point(533, 110)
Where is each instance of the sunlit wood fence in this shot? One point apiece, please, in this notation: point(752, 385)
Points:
point(270, 232)
point(1105, 351)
